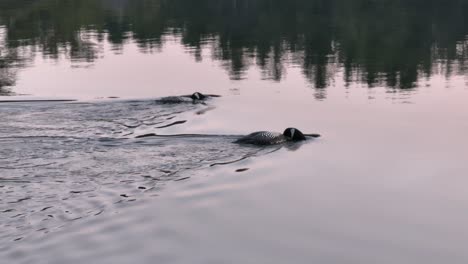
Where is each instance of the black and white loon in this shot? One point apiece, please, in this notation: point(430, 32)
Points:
point(272, 138)
point(193, 98)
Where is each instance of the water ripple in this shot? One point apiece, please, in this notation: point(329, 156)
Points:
point(65, 162)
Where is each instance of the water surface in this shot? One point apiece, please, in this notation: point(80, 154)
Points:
point(384, 82)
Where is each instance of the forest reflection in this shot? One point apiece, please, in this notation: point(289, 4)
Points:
point(391, 43)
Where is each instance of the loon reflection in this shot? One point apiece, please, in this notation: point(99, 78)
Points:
point(273, 138)
point(196, 97)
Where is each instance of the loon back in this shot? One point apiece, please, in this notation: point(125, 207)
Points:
point(262, 138)
point(174, 100)
point(196, 97)
point(271, 138)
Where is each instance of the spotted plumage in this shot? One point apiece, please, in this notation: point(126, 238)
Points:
point(273, 138)
point(262, 138)
point(193, 98)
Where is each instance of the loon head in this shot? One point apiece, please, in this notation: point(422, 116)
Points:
point(294, 134)
point(198, 96)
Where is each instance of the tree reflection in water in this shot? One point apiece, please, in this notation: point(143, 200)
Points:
point(382, 42)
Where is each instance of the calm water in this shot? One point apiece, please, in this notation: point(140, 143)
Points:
point(384, 82)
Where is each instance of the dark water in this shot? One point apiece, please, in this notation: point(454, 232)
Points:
point(383, 81)
point(391, 43)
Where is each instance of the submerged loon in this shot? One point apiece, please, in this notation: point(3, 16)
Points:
point(196, 97)
point(272, 138)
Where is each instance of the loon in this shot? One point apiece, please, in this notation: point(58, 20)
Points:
point(196, 97)
point(272, 138)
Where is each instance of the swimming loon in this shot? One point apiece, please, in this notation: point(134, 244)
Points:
point(196, 97)
point(271, 138)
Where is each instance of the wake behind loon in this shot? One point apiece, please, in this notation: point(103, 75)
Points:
point(272, 138)
point(196, 97)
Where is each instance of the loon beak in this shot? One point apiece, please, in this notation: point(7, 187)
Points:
point(312, 135)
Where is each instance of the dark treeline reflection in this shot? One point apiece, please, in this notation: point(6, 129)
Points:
point(393, 43)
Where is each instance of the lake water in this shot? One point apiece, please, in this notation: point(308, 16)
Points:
point(383, 82)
